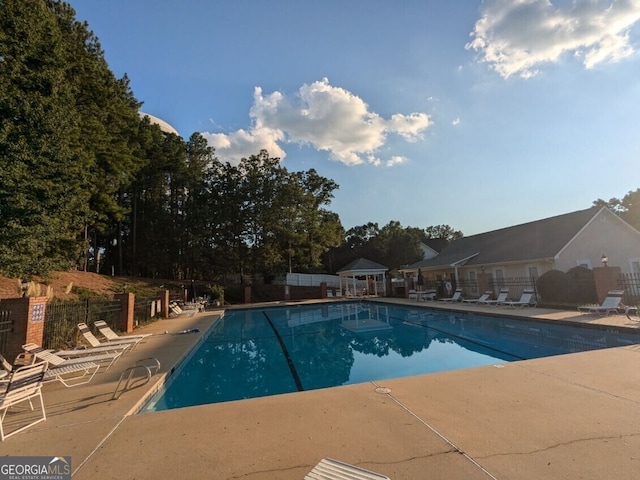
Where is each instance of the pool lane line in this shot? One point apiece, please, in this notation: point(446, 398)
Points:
point(292, 367)
point(460, 337)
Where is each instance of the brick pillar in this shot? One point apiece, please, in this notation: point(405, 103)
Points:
point(164, 303)
point(484, 282)
point(605, 278)
point(27, 316)
point(247, 294)
point(323, 289)
point(125, 322)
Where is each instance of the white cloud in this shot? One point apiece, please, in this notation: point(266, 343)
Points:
point(322, 116)
point(516, 36)
point(456, 121)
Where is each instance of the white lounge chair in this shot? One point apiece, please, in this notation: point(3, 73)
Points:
point(526, 300)
point(503, 296)
point(112, 336)
point(425, 295)
point(25, 384)
point(175, 310)
point(87, 365)
point(93, 341)
point(329, 469)
point(610, 305)
point(484, 297)
point(454, 298)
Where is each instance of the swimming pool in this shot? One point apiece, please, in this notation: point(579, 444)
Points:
point(258, 352)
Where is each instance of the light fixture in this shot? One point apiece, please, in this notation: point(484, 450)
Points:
point(24, 286)
point(604, 260)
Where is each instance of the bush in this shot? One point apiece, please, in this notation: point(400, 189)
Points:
point(553, 287)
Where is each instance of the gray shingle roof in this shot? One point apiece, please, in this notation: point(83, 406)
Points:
point(362, 264)
point(529, 241)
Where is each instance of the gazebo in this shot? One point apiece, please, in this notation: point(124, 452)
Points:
point(354, 272)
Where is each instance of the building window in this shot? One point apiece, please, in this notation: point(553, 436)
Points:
point(499, 274)
point(533, 272)
point(473, 281)
point(634, 265)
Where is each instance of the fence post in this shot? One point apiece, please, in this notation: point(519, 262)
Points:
point(128, 301)
point(605, 278)
point(27, 314)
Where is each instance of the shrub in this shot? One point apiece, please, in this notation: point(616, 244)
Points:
point(553, 287)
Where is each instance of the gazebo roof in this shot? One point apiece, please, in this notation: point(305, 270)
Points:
point(361, 266)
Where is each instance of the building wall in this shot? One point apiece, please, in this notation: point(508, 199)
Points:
point(606, 235)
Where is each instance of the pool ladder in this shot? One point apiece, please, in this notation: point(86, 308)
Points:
point(135, 382)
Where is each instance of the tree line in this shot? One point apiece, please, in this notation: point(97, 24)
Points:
point(87, 183)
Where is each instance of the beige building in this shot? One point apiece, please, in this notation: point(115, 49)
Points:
point(582, 238)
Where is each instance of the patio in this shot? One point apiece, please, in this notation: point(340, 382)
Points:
point(570, 416)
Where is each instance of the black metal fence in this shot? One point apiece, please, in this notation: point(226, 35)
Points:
point(145, 309)
point(6, 325)
point(630, 283)
point(515, 285)
point(61, 320)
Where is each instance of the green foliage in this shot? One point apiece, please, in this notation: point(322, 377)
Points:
point(64, 121)
point(628, 208)
point(553, 287)
point(575, 287)
point(442, 231)
point(391, 245)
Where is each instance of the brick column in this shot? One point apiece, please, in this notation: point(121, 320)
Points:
point(605, 278)
point(27, 316)
point(247, 294)
point(323, 289)
point(125, 322)
point(164, 303)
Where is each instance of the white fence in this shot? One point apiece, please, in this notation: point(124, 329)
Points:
point(310, 280)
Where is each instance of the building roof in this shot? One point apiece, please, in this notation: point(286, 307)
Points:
point(435, 244)
point(542, 239)
point(362, 265)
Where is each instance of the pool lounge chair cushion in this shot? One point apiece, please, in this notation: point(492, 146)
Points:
point(329, 469)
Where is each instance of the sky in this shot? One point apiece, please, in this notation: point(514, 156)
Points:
point(474, 114)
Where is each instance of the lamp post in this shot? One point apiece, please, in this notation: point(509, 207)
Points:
point(604, 260)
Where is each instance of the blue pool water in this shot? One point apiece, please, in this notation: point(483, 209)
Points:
point(259, 352)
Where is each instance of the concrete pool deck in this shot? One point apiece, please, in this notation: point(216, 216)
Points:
point(570, 416)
